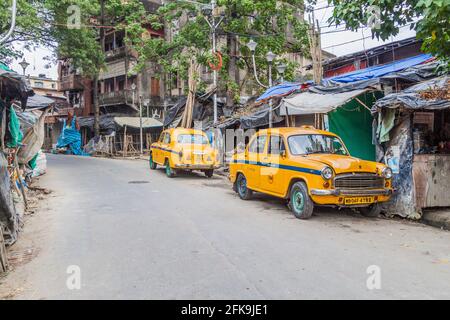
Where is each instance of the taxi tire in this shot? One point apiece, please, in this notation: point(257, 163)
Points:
point(248, 194)
point(308, 204)
point(152, 163)
point(371, 212)
point(209, 173)
point(170, 173)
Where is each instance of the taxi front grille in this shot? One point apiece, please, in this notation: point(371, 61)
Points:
point(359, 182)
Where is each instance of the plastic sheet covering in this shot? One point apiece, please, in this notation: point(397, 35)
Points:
point(259, 119)
point(9, 218)
point(280, 90)
point(417, 73)
point(33, 140)
point(134, 122)
point(15, 134)
point(411, 99)
point(106, 122)
point(71, 138)
point(403, 202)
point(309, 103)
point(39, 102)
point(40, 167)
point(380, 70)
point(14, 86)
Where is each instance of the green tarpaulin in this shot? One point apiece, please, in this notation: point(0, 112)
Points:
point(353, 123)
point(16, 134)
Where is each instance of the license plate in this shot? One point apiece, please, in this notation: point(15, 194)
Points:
point(359, 200)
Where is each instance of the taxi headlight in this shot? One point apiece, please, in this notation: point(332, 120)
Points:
point(387, 173)
point(327, 173)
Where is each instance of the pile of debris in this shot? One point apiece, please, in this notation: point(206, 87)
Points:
point(437, 93)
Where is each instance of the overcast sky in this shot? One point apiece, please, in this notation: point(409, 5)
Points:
point(330, 42)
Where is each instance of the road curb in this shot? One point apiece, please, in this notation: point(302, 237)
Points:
point(438, 218)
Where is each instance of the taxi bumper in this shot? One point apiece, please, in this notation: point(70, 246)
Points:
point(196, 166)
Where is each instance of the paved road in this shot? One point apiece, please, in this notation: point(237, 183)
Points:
point(191, 237)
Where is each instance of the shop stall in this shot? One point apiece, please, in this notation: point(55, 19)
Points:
point(413, 137)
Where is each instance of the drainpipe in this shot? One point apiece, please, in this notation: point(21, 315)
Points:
point(13, 22)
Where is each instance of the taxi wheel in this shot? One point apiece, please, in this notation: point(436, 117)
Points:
point(209, 173)
point(241, 187)
point(371, 212)
point(152, 163)
point(169, 171)
point(300, 203)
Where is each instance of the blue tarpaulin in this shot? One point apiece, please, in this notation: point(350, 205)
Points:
point(280, 91)
point(378, 71)
point(71, 138)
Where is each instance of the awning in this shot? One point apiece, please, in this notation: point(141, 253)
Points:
point(309, 103)
point(39, 102)
point(14, 86)
point(134, 122)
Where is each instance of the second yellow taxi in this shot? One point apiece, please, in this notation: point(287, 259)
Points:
point(181, 149)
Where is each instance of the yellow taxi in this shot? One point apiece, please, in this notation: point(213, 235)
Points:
point(182, 149)
point(309, 168)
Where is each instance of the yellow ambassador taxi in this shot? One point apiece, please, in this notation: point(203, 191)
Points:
point(309, 167)
point(183, 149)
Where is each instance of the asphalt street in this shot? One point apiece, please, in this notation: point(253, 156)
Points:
point(135, 234)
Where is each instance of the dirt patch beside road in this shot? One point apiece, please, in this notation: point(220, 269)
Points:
point(29, 243)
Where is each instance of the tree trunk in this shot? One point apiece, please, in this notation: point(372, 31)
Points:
point(96, 108)
point(233, 71)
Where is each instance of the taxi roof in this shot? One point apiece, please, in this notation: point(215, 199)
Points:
point(185, 131)
point(296, 131)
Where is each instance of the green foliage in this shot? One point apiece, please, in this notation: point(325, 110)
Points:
point(430, 19)
point(45, 23)
point(266, 21)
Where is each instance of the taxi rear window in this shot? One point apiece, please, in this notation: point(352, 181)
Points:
point(192, 139)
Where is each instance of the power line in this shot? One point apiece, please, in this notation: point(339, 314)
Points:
point(362, 38)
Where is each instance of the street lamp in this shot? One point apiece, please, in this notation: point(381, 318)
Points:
point(281, 68)
point(270, 57)
point(24, 64)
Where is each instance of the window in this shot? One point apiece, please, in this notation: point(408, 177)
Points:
point(316, 143)
point(38, 84)
point(257, 145)
point(167, 138)
point(192, 139)
point(276, 145)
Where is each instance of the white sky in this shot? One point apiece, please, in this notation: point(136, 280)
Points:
point(37, 63)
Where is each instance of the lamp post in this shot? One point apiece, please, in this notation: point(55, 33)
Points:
point(24, 64)
point(270, 57)
point(281, 69)
point(140, 126)
point(13, 23)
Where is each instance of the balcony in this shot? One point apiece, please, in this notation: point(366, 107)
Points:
point(71, 82)
point(123, 97)
point(115, 54)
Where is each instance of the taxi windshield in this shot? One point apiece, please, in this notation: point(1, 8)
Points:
point(316, 144)
point(192, 139)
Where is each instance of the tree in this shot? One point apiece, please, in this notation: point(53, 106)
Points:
point(429, 18)
point(48, 23)
point(264, 20)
